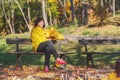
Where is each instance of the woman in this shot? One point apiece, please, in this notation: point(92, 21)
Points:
point(42, 42)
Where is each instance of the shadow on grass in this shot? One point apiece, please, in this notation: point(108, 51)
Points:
point(8, 59)
point(73, 59)
point(78, 58)
point(105, 59)
point(98, 59)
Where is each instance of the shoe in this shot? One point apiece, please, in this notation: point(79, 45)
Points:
point(60, 61)
point(46, 69)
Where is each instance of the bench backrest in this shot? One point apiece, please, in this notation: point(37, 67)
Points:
point(99, 40)
point(18, 41)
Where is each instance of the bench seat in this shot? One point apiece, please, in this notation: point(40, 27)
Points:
point(35, 53)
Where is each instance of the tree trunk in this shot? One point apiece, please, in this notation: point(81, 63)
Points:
point(73, 11)
point(55, 21)
point(29, 15)
point(64, 4)
point(50, 17)
point(44, 13)
point(16, 1)
point(12, 20)
point(7, 19)
point(12, 17)
point(79, 12)
point(102, 3)
point(113, 8)
point(28, 8)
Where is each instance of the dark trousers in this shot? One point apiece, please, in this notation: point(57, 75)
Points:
point(48, 48)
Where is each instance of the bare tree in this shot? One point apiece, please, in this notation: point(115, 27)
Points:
point(113, 8)
point(28, 8)
point(16, 1)
point(7, 18)
point(102, 3)
point(72, 9)
point(50, 16)
point(12, 15)
point(44, 13)
point(62, 5)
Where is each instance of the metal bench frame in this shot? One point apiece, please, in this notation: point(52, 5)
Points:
point(97, 41)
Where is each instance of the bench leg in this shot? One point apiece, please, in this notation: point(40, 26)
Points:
point(92, 62)
point(63, 57)
point(89, 58)
point(19, 61)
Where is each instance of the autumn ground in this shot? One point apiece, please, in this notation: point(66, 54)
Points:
point(75, 69)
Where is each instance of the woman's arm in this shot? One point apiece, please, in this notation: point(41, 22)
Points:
point(54, 34)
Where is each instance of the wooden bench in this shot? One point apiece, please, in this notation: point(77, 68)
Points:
point(97, 41)
point(19, 53)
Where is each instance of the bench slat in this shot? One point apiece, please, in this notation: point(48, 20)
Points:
point(28, 41)
point(66, 53)
point(25, 52)
point(18, 40)
point(101, 52)
point(99, 41)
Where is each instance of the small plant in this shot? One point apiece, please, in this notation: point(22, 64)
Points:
point(87, 33)
point(96, 34)
point(62, 30)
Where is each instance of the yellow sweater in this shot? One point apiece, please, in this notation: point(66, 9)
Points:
point(39, 35)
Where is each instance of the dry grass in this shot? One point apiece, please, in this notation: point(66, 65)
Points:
point(108, 30)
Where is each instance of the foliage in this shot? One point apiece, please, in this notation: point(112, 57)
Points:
point(112, 76)
point(53, 6)
point(92, 17)
point(70, 73)
point(1, 21)
point(58, 12)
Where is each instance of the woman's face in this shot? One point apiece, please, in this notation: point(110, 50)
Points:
point(41, 23)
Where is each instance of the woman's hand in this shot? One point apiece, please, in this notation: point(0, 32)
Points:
point(66, 39)
point(49, 39)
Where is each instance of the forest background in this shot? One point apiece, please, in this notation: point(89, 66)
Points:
point(17, 16)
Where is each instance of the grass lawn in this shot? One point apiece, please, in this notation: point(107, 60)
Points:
point(73, 59)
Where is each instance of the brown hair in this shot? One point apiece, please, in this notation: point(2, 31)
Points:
point(37, 21)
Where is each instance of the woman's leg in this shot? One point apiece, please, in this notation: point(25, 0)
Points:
point(48, 48)
point(54, 52)
point(47, 56)
point(43, 47)
point(52, 49)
